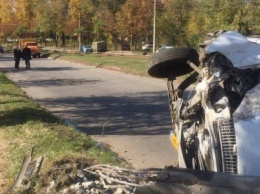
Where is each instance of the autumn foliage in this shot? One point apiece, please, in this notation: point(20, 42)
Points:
point(178, 22)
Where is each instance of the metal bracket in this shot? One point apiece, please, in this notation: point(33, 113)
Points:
point(27, 171)
point(193, 66)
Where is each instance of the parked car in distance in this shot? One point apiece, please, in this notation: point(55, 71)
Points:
point(147, 47)
point(125, 46)
point(1, 49)
point(49, 39)
point(99, 46)
point(164, 48)
point(86, 49)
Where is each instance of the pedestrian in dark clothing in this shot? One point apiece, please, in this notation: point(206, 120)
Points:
point(17, 57)
point(27, 56)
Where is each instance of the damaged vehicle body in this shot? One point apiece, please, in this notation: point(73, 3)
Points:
point(215, 108)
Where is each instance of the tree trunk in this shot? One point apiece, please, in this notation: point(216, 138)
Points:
point(63, 38)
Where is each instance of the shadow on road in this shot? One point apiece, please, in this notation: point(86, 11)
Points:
point(57, 82)
point(142, 113)
point(147, 114)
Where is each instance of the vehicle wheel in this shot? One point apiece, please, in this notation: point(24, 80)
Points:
point(172, 62)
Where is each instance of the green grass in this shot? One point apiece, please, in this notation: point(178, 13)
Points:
point(24, 124)
point(132, 64)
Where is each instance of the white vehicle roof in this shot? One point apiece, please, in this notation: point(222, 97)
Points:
point(237, 48)
point(256, 40)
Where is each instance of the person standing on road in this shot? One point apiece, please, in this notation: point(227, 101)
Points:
point(27, 56)
point(17, 57)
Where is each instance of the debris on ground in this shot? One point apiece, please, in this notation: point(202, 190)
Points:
point(84, 176)
point(103, 179)
point(28, 170)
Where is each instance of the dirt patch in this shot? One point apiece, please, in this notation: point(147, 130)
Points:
point(114, 68)
point(62, 174)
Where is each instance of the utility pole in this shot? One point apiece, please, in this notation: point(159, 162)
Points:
point(154, 25)
point(79, 37)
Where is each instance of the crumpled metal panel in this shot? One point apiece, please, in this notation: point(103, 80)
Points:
point(237, 48)
point(247, 128)
point(27, 172)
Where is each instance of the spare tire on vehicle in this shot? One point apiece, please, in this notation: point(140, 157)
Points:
point(172, 62)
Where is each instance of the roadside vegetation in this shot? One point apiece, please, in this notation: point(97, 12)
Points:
point(124, 23)
point(24, 124)
point(132, 64)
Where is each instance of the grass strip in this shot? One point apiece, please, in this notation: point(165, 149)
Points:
point(24, 124)
point(132, 64)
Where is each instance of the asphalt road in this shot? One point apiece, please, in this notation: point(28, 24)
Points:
point(129, 113)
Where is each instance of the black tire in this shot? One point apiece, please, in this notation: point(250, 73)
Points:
point(172, 62)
